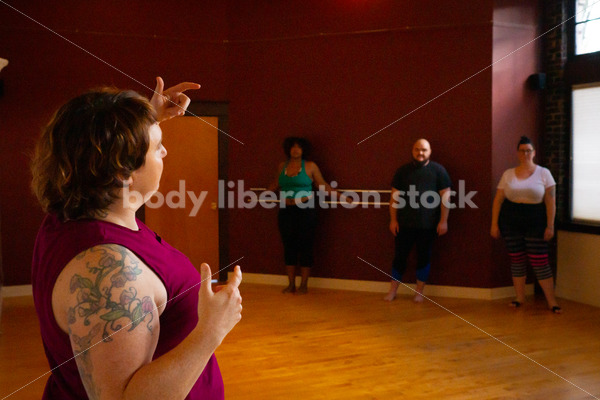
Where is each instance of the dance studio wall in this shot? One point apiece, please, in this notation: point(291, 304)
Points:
point(340, 71)
point(335, 72)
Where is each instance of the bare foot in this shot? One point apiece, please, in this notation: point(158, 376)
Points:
point(303, 289)
point(289, 289)
point(418, 298)
point(391, 296)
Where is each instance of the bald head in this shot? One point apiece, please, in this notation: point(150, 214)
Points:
point(422, 143)
point(421, 151)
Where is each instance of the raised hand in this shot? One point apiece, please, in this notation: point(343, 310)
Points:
point(219, 312)
point(171, 102)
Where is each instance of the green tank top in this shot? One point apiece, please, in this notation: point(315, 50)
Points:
point(299, 185)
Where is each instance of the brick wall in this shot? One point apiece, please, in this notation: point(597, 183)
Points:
point(555, 138)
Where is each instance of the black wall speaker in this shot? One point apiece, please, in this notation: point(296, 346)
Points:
point(537, 81)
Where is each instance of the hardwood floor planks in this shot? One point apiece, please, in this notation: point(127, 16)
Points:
point(352, 345)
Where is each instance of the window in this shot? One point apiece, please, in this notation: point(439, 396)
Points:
point(585, 145)
point(587, 26)
point(582, 75)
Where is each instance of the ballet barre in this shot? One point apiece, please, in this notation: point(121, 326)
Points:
point(341, 191)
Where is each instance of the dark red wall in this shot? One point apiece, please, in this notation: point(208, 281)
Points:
point(339, 89)
point(309, 68)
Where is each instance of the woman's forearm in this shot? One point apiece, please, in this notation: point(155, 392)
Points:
point(172, 375)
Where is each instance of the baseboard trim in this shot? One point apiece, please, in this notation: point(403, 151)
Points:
point(16, 291)
point(382, 287)
point(459, 292)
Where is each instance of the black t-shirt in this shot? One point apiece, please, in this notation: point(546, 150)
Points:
point(419, 193)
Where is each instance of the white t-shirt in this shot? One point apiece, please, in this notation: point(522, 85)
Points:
point(527, 191)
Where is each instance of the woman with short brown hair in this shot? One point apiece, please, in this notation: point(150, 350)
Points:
point(120, 314)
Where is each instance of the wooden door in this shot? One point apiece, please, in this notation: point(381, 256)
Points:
point(191, 165)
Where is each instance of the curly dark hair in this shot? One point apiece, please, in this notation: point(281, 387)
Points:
point(289, 142)
point(90, 146)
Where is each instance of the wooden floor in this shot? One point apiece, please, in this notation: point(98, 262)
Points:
point(352, 345)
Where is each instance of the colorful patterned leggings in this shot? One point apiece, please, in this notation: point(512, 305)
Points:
point(535, 250)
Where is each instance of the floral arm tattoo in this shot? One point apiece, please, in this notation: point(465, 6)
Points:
point(95, 298)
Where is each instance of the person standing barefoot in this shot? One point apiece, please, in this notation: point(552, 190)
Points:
point(297, 218)
point(412, 224)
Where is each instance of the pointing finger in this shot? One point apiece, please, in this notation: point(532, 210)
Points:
point(183, 86)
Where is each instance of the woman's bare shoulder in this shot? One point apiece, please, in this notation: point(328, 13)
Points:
point(108, 302)
point(310, 165)
point(103, 279)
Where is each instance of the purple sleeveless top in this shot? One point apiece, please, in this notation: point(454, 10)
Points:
point(58, 243)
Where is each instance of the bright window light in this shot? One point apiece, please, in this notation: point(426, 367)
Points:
point(587, 26)
point(585, 199)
